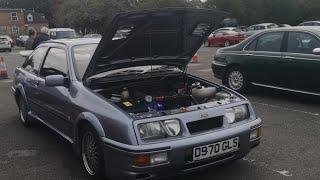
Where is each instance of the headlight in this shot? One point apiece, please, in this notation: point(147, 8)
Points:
point(159, 129)
point(237, 114)
point(172, 127)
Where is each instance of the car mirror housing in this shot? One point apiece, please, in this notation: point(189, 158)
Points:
point(316, 51)
point(55, 80)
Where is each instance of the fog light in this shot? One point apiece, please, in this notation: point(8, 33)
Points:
point(158, 158)
point(256, 133)
point(141, 160)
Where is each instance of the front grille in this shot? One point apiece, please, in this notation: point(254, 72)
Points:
point(205, 124)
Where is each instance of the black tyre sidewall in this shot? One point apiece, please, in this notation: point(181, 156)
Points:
point(100, 174)
point(27, 119)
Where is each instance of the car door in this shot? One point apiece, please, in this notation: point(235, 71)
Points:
point(218, 35)
point(263, 56)
point(302, 66)
point(55, 99)
point(31, 70)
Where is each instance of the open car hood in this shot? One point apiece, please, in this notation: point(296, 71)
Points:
point(153, 37)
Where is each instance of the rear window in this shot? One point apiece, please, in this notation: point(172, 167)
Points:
point(82, 56)
point(63, 34)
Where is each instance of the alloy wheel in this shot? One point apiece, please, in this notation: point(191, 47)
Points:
point(235, 80)
point(90, 153)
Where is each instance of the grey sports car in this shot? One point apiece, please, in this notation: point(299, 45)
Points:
point(127, 104)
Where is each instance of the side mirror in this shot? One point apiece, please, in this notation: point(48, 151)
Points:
point(316, 51)
point(55, 80)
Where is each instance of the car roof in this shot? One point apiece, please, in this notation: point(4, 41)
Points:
point(61, 29)
point(311, 22)
point(75, 42)
point(265, 24)
point(313, 29)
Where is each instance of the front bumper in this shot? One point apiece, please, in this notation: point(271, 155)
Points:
point(218, 69)
point(119, 157)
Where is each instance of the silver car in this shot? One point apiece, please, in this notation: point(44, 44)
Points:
point(5, 43)
point(127, 104)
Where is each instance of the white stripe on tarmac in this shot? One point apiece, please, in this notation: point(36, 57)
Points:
point(204, 70)
point(6, 81)
point(282, 172)
point(288, 109)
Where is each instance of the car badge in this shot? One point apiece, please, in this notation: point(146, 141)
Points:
point(204, 115)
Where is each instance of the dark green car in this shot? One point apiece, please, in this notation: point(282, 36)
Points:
point(286, 59)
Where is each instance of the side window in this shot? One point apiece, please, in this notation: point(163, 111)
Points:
point(304, 43)
point(270, 42)
point(251, 28)
point(33, 63)
point(55, 63)
point(252, 46)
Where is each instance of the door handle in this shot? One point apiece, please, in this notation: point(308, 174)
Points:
point(248, 54)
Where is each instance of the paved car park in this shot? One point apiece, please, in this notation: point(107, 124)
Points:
point(289, 149)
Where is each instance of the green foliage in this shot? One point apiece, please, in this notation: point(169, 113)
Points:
point(257, 11)
point(146, 4)
point(41, 6)
point(93, 14)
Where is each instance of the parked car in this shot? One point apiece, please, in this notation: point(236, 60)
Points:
point(310, 23)
point(226, 37)
point(258, 28)
point(21, 40)
point(92, 36)
point(6, 43)
point(62, 33)
point(284, 25)
point(132, 113)
point(285, 59)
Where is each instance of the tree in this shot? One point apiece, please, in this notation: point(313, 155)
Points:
point(146, 4)
point(88, 15)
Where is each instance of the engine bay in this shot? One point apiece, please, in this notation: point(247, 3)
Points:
point(163, 96)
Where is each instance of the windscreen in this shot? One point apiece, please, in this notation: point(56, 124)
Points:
point(82, 56)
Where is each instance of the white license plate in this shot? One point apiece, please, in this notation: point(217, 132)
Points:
point(215, 149)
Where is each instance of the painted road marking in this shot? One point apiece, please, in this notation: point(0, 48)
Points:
point(21, 153)
point(282, 172)
point(204, 70)
point(284, 108)
point(6, 81)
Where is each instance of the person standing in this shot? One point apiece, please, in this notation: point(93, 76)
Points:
point(30, 40)
point(42, 36)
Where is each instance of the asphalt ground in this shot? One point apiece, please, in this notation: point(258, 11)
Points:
point(290, 148)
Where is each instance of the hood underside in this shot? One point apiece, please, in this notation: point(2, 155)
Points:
point(153, 37)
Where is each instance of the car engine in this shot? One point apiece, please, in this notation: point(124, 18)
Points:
point(162, 97)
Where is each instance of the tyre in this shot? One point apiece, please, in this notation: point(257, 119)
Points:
point(25, 119)
point(91, 153)
point(236, 79)
point(227, 43)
